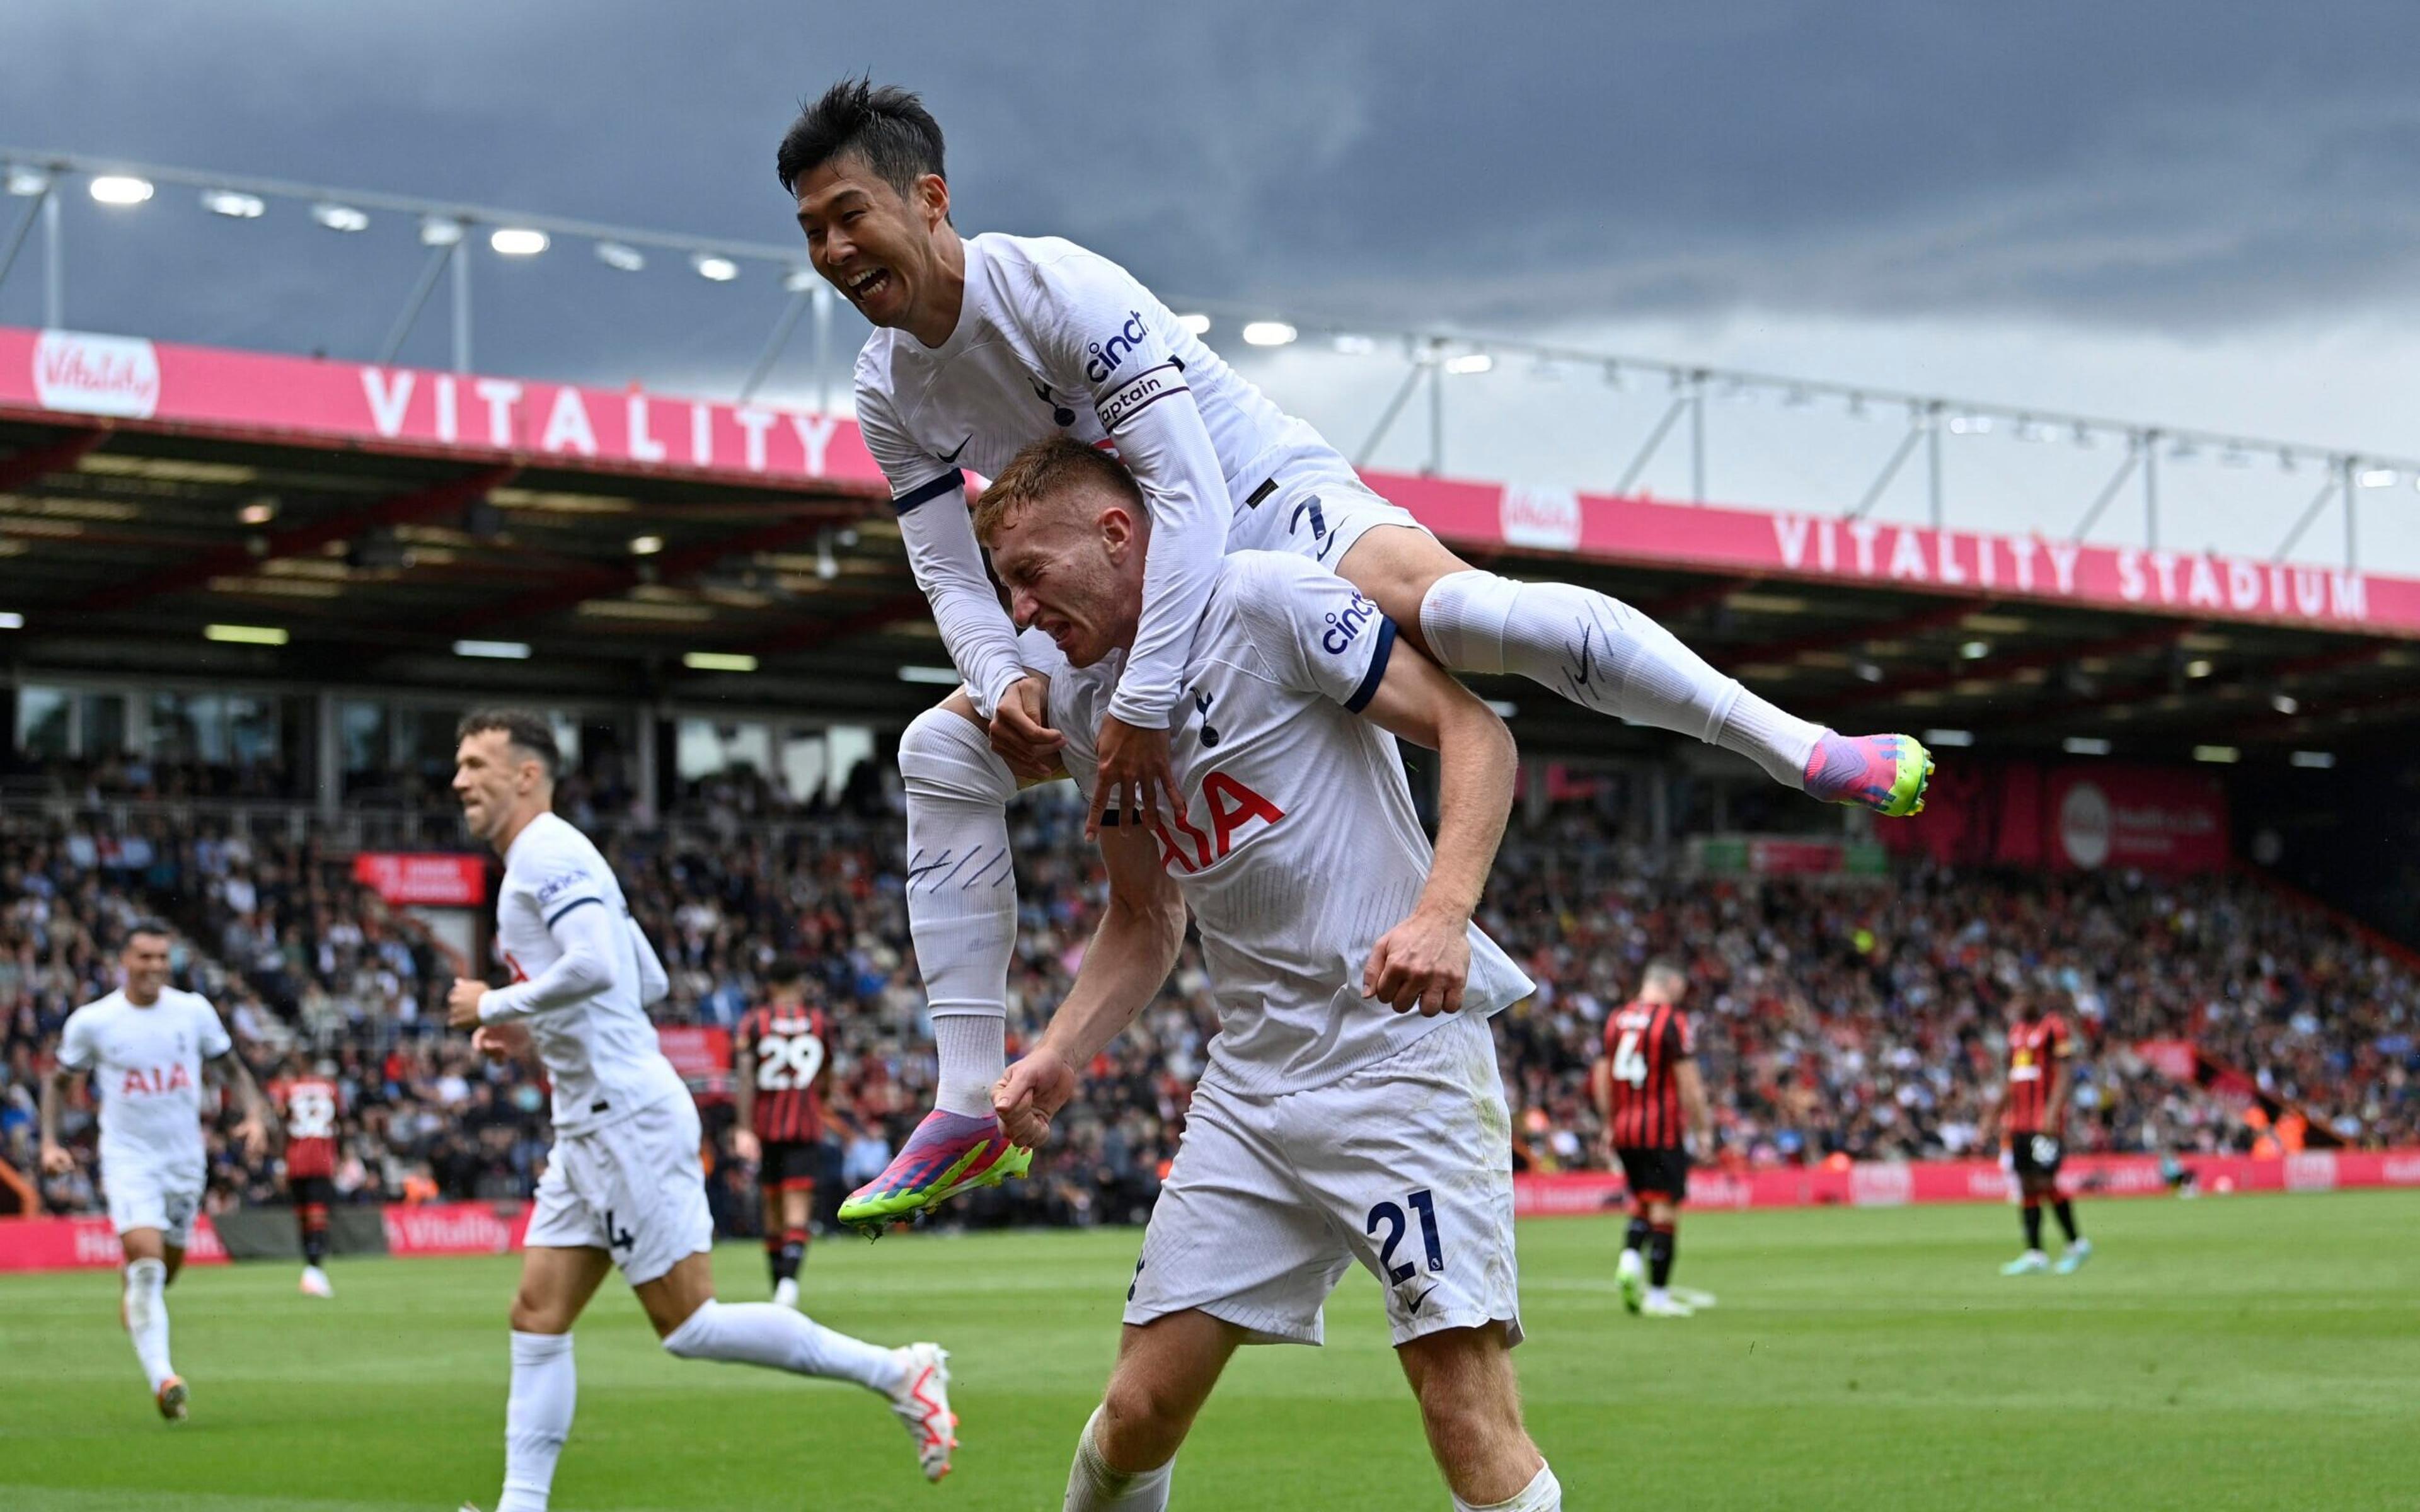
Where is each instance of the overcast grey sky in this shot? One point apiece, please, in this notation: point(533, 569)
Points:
point(2201, 213)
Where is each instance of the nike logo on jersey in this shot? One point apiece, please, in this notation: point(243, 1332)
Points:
point(950, 458)
point(1413, 1306)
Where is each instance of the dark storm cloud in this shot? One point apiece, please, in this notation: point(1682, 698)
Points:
point(1516, 163)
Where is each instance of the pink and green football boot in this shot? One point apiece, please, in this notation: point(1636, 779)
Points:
point(1884, 773)
point(949, 1154)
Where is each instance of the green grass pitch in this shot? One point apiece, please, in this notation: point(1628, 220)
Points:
point(2233, 1352)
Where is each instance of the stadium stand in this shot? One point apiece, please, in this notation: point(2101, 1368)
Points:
point(1836, 1019)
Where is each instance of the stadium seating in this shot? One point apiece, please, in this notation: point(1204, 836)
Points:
point(1856, 1019)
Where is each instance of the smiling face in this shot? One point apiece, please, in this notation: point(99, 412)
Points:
point(883, 249)
point(146, 962)
point(1071, 563)
point(500, 785)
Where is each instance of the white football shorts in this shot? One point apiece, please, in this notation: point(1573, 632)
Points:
point(1404, 1165)
point(1316, 515)
point(146, 1193)
point(632, 1188)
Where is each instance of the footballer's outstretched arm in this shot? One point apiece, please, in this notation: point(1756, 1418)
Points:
point(930, 497)
point(1132, 952)
point(589, 934)
point(1424, 961)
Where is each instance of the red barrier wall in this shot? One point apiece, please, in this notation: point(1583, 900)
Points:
point(483, 1228)
point(85, 1243)
point(89, 1243)
point(454, 1229)
point(1890, 1184)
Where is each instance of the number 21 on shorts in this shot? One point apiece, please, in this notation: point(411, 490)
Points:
point(1391, 1217)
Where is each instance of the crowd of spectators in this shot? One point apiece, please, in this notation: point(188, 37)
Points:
point(1831, 1018)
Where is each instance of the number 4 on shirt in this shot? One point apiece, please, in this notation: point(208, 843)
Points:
point(1629, 1065)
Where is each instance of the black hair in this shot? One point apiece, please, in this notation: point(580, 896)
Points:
point(524, 728)
point(885, 125)
point(785, 971)
point(152, 927)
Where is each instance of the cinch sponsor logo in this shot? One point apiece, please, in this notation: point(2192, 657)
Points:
point(1548, 518)
point(1107, 354)
point(97, 375)
point(1344, 626)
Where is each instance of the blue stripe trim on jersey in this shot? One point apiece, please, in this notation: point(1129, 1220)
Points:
point(576, 903)
point(924, 493)
point(1377, 673)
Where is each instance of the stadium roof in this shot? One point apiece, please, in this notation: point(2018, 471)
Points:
point(377, 517)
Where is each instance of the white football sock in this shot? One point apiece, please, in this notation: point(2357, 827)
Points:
point(779, 1338)
point(961, 898)
point(1094, 1486)
point(1542, 1495)
point(974, 1051)
point(147, 1317)
point(537, 1418)
point(1601, 653)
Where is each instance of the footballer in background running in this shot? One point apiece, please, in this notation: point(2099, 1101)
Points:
point(310, 1103)
point(1653, 1102)
point(2032, 1112)
point(624, 1186)
point(781, 1067)
point(148, 1048)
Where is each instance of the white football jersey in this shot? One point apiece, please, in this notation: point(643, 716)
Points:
point(1050, 338)
point(147, 1070)
point(600, 1052)
point(1298, 845)
point(1055, 340)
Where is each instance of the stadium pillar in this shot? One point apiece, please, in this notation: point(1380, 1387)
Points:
point(2151, 489)
point(1932, 463)
point(462, 305)
point(327, 756)
point(1436, 417)
point(1697, 438)
point(2353, 543)
point(1534, 799)
point(54, 272)
point(645, 763)
point(823, 348)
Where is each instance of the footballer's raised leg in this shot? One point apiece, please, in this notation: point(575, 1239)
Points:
point(962, 913)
